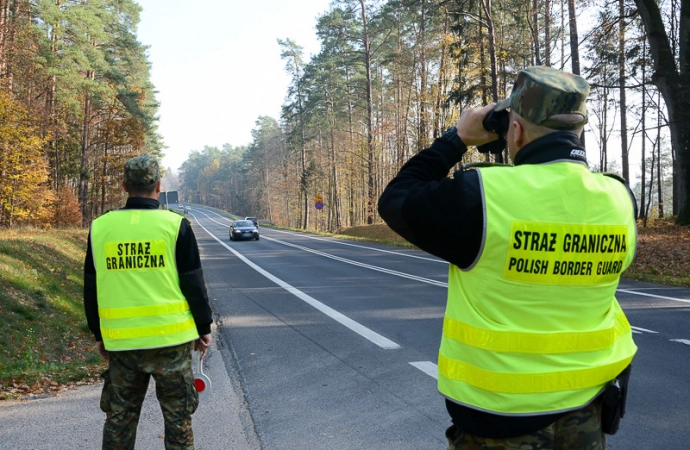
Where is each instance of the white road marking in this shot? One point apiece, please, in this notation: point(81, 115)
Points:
point(360, 264)
point(654, 296)
point(669, 288)
point(635, 330)
point(643, 329)
point(352, 262)
point(358, 328)
point(337, 241)
point(427, 367)
point(414, 277)
point(682, 341)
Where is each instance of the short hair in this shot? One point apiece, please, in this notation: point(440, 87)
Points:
point(141, 191)
point(535, 131)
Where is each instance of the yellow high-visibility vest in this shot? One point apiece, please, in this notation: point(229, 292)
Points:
point(140, 303)
point(533, 326)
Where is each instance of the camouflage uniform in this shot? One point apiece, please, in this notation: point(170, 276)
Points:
point(129, 371)
point(142, 171)
point(579, 430)
point(126, 382)
point(541, 92)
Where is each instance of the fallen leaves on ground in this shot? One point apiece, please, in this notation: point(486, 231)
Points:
point(663, 254)
point(47, 386)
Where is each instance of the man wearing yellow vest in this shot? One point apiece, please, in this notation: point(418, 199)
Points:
point(146, 304)
point(535, 351)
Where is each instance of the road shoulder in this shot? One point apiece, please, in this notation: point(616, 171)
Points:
point(73, 419)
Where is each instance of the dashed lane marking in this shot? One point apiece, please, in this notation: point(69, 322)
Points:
point(627, 291)
point(358, 328)
point(337, 241)
point(427, 367)
point(635, 330)
point(639, 330)
point(644, 294)
point(351, 262)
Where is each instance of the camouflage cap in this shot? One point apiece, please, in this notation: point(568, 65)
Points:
point(541, 92)
point(142, 171)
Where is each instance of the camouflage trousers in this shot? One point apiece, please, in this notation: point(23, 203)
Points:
point(579, 430)
point(126, 382)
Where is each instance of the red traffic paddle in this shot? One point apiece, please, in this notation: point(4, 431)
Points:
point(202, 383)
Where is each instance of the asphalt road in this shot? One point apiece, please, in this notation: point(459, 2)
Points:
point(336, 342)
point(324, 343)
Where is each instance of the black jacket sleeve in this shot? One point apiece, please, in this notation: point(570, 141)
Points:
point(441, 215)
point(90, 297)
point(191, 277)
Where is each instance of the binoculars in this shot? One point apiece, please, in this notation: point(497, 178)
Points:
point(498, 122)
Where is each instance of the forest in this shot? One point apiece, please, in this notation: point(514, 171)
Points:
point(390, 76)
point(76, 102)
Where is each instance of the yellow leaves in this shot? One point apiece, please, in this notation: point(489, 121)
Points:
point(22, 165)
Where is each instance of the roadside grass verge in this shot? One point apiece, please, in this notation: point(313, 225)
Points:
point(45, 344)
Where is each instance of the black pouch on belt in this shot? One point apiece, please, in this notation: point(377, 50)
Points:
point(613, 405)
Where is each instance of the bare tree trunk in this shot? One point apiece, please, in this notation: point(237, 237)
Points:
point(492, 57)
point(621, 80)
point(651, 183)
point(335, 198)
point(371, 180)
point(83, 176)
point(303, 155)
point(659, 186)
point(492, 49)
point(52, 107)
point(535, 31)
point(547, 32)
point(644, 134)
point(562, 34)
point(104, 176)
point(603, 138)
point(673, 82)
point(4, 33)
point(423, 129)
point(482, 63)
point(574, 38)
point(9, 45)
point(482, 57)
point(351, 132)
point(574, 48)
point(441, 89)
point(400, 117)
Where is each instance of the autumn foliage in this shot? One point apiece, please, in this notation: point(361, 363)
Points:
point(76, 101)
point(24, 196)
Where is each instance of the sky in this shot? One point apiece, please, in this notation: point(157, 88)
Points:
point(216, 66)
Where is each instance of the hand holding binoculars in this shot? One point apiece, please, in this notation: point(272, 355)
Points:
point(496, 121)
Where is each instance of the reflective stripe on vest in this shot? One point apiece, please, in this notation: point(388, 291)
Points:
point(539, 343)
point(141, 311)
point(533, 325)
point(140, 303)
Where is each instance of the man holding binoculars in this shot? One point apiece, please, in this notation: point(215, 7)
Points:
point(536, 350)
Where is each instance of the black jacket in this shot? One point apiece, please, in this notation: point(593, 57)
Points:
point(423, 194)
point(189, 271)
